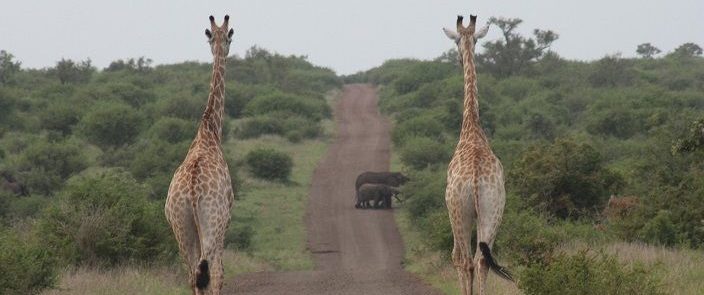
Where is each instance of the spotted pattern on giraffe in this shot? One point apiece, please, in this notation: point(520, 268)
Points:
point(201, 195)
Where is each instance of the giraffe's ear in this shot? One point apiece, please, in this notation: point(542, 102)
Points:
point(230, 33)
point(451, 34)
point(482, 32)
point(208, 34)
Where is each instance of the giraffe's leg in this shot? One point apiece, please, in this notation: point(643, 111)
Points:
point(461, 216)
point(490, 208)
point(213, 221)
point(180, 216)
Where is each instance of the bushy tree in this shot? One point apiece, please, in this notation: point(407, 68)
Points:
point(26, 265)
point(70, 72)
point(611, 71)
point(422, 152)
point(565, 178)
point(112, 124)
point(282, 102)
point(141, 65)
point(269, 164)
point(105, 218)
point(43, 166)
point(694, 140)
point(8, 67)
point(647, 50)
point(687, 50)
point(515, 53)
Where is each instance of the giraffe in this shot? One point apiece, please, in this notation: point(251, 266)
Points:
point(475, 177)
point(200, 195)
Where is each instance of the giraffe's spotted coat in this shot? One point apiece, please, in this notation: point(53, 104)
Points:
point(200, 196)
point(475, 180)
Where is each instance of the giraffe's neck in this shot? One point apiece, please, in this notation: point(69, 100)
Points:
point(211, 123)
point(470, 117)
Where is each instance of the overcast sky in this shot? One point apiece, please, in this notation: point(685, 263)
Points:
point(347, 36)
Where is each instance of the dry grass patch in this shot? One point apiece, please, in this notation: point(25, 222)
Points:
point(122, 280)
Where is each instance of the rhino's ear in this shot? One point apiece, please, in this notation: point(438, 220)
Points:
point(451, 34)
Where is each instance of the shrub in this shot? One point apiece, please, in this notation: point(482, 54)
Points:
point(424, 193)
point(260, 125)
point(587, 273)
point(566, 178)
point(420, 73)
point(292, 126)
point(26, 267)
point(269, 164)
point(239, 236)
point(438, 230)
point(660, 230)
point(182, 106)
point(156, 162)
point(311, 108)
point(106, 218)
point(419, 126)
point(112, 124)
point(421, 152)
point(527, 237)
point(60, 117)
point(43, 166)
point(172, 130)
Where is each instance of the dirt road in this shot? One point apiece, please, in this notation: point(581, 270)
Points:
point(355, 251)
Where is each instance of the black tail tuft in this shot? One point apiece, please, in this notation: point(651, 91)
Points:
point(203, 275)
point(499, 270)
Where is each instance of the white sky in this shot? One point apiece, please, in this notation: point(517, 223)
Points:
point(347, 36)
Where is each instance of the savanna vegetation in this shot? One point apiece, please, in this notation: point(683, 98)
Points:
point(598, 153)
point(605, 176)
point(87, 154)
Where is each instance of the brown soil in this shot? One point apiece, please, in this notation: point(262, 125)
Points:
point(355, 251)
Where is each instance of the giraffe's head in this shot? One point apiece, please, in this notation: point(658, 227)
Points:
point(219, 37)
point(466, 37)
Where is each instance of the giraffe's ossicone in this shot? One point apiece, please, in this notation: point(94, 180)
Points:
point(200, 196)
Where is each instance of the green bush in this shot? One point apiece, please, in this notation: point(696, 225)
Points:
point(660, 230)
point(182, 106)
point(269, 164)
point(587, 273)
point(424, 193)
point(105, 218)
point(438, 230)
point(312, 108)
point(566, 178)
point(172, 130)
point(292, 126)
point(44, 166)
point(260, 125)
point(112, 124)
point(421, 152)
point(61, 117)
point(239, 236)
point(527, 238)
point(424, 126)
point(156, 162)
point(26, 266)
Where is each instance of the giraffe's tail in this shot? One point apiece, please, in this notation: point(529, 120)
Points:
point(202, 275)
point(499, 270)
